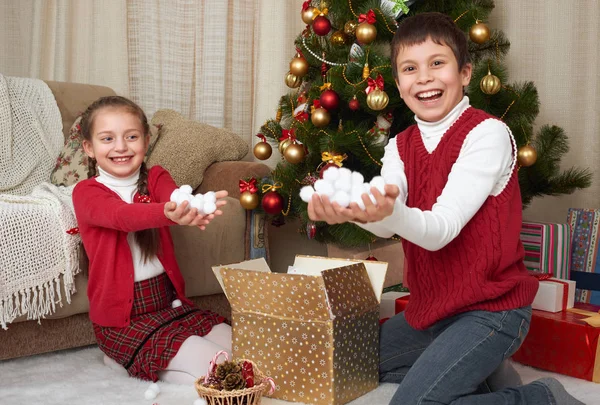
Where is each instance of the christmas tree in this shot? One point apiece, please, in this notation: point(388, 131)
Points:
point(344, 104)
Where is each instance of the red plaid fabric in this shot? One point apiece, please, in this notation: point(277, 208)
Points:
point(156, 331)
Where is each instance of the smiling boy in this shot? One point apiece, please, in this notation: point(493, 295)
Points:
point(453, 196)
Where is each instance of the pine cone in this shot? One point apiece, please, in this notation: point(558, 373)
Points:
point(214, 383)
point(227, 368)
point(234, 381)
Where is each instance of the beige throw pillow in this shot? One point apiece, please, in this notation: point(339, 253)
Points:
point(186, 148)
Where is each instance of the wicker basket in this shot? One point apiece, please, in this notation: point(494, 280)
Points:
point(247, 396)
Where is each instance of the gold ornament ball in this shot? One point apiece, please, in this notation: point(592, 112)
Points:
point(338, 38)
point(479, 33)
point(249, 200)
point(366, 33)
point(350, 27)
point(320, 117)
point(526, 155)
point(490, 84)
point(294, 153)
point(299, 66)
point(377, 100)
point(292, 81)
point(308, 15)
point(262, 150)
point(283, 145)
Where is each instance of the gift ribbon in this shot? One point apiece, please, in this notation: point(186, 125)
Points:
point(288, 134)
point(400, 5)
point(593, 317)
point(375, 84)
point(212, 366)
point(318, 12)
point(331, 158)
point(316, 104)
point(271, 187)
point(248, 186)
point(369, 17)
point(548, 277)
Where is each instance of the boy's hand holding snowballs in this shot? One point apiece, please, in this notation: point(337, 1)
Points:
point(356, 200)
point(205, 204)
point(343, 186)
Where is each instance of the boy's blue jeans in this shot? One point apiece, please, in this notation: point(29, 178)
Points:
point(449, 362)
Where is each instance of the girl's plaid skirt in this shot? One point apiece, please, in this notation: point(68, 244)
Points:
point(156, 331)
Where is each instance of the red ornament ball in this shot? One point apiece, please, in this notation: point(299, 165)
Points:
point(354, 104)
point(330, 100)
point(321, 26)
point(272, 203)
point(327, 166)
point(372, 258)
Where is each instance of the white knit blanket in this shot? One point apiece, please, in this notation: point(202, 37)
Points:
point(35, 248)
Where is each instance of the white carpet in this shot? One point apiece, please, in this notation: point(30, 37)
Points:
point(79, 377)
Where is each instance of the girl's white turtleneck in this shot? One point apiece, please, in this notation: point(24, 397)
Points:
point(126, 187)
point(482, 169)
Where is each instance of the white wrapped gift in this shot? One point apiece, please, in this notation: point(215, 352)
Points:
point(388, 303)
point(550, 295)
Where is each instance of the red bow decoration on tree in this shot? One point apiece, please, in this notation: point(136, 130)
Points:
point(261, 137)
point(374, 84)
point(369, 17)
point(305, 5)
point(248, 186)
point(288, 134)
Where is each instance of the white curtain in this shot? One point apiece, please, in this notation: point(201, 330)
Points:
point(82, 41)
point(196, 57)
point(555, 44)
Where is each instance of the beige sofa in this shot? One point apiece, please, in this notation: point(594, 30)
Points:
point(226, 240)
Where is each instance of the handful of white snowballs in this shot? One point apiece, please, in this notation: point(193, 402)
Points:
point(343, 186)
point(204, 203)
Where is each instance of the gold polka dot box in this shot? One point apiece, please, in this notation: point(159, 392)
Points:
point(314, 330)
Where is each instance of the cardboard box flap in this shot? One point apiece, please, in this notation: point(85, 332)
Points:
point(300, 297)
point(349, 290)
point(315, 265)
point(259, 264)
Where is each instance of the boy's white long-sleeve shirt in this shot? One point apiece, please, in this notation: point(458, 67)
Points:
point(482, 169)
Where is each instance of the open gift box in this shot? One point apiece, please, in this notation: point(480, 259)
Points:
point(315, 332)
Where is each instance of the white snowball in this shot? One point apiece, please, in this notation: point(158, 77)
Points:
point(209, 207)
point(197, 202)
point(379, 183)
point(356, 197)
point(150, 394)
point(186, 189)
point(345, 172)
point(306, 193)
point(331, 174)
point(342, 198)
point(175, 304)
point(210, 197)
point(175, 194)
point(324, 188)
point(179, 197)
point(357, 179)
point(366, 188)
point(200, 401)
point(344, 183)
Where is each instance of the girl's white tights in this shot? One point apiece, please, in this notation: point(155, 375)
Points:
point(193, 357)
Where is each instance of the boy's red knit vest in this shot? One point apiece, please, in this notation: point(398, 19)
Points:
point(482, 268)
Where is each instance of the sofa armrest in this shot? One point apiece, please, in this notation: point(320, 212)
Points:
point(226, 176)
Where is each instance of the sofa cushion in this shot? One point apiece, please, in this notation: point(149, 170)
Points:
point(186, 148)
point(72, 162)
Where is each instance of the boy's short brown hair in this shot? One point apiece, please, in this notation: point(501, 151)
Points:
point(439, 27)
